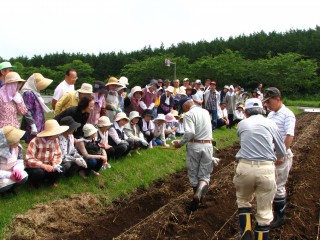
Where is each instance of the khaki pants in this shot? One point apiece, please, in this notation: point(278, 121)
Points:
point(283, 173)
point(256, 180)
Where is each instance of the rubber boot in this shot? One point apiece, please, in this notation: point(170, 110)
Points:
point(279, 207)
point(245, 224)
point(193, 206)
point(201, 191)
point(261, 232)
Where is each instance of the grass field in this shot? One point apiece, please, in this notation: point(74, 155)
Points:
point(302, 103)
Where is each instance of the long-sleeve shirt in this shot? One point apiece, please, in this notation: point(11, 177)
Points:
point(68, 100)
point(259, 137)
point(133, 131)
point(197, 125)
point(41, 152)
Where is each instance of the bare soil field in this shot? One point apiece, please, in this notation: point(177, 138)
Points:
point(160, 211)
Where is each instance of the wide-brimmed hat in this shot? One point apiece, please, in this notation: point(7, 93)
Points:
point(170, 89)
point(226, 87)
point(136, 89)
point(174, 113)
point(122, 87)
point(12, 134)
point(69, 121)
point(147, 112)
point(52, 128)
point(159, 89)
point(12, 77)
point(160, 81)
point(192, 89)
point(153, 82)
point(85, 88)
point(99, 87)
point(240, 106)
point(104, 121)
point(160, 116)
point(169, 117)
point(113, 81)
point(88, 129)
point(182, 93)
point(5, 65)
point(167, 81)
point(41, 82)
point(124, 80)
point(121, 115)
point(253, 103)
point(134, 114)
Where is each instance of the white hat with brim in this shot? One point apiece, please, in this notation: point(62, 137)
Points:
point(124, 80)
point(88, 129)
point(12, 134)
point(113, 81)
point(52, 128)
point(134, 114)
point(12, 77)
point(160, 117)
point(170, 89)
point(253, 103)
point(104, 121)
point(121, 115)
point(86, 88)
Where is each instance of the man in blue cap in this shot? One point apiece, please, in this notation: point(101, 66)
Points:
point(5, 68)
point(198, 136)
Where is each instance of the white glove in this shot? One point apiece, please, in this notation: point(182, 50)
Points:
point(144, 142)
point(58, 168)
point(83, 140)
point(34, 130)
point(81, 162)
point(17, 98)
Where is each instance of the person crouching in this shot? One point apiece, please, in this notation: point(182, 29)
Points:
point(44, 157)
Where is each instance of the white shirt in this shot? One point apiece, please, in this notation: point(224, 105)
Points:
point(61, 89)
point(222, 113)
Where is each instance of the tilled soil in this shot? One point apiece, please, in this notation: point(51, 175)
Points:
point(160, 211)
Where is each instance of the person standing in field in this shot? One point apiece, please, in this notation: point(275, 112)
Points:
point(65, 86)
point(285, 120)
point(261, 147)
point(198, 136)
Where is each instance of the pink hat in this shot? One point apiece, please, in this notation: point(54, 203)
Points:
point(169, 117)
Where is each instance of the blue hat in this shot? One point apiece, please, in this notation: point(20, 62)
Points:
point(183, 100)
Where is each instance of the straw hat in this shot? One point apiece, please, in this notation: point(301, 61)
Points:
point(85, 88)
point(52, 128)
point(121, 115)
point(104, 121)
point(12, 77)
point(170, 89)
point(134, 114)
point(193, 90)
point(169, 118)
point(88, 129)
point(113, 81)
point(160, 117)
point(41, 81)
point(12, 134)
point(174, 113)
point(70, 122)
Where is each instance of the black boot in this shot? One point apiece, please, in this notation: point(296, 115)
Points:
point(261, 232)
point(193, 206)
point(279, 207)
point(245, 223)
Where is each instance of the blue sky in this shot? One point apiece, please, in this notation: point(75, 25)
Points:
point(32, 27)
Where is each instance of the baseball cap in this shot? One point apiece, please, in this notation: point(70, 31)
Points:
point(271, 92)
point(198, 81)
point(213, 82)
point(183, 101)
point(186, 79)
point(253, 103)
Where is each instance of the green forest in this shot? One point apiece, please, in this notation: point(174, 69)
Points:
point(287, 60)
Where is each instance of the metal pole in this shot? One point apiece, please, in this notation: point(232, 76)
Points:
point(175, 72)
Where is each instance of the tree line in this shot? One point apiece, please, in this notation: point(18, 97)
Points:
point(288, 60)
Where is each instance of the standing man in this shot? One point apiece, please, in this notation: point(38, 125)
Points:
point(198, 96)
point(212, 103)
point(230, 101)
point(255, 169)
point(198, 136)
point(5, 68)
point(186, 83)
point(285, 120)
point(65, 86)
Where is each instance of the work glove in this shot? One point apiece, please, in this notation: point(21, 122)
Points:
point(81, 162)
point(17, 98)
point(106, 166)
point(144, 142)
point(34, 130)
point(58, 168)
point(16, 176)
point(83, 140)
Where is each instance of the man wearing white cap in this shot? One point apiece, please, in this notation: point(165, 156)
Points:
point(261, 148)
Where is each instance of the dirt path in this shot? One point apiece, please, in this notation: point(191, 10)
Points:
point(159, 212)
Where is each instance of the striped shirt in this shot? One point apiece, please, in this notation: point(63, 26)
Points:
point(41, 151)
point(285, 120)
